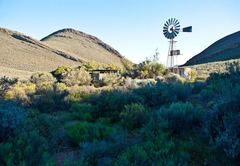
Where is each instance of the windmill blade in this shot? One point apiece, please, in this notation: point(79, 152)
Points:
point(177, 29)
point(165, 34)
point(175, 33)
point(166, 23)
point(165, 28)
point(176, 24)
point(175, 21)
point(169, 36)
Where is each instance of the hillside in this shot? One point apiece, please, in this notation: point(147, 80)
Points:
point(20, 55)
point(224, 49)
point(83, 46)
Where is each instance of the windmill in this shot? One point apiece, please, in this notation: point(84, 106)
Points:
point(170, 30)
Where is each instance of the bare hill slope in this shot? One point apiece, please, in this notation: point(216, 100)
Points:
point(20, 55)
point(83, 46)
point(224, 49)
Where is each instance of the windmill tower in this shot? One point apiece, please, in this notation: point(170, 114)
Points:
point(170, 30)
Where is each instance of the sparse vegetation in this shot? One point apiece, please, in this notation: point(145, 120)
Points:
point(136, 121)
point(40, 77)
point(140, 115)
point(76, 77)
point(110, 79)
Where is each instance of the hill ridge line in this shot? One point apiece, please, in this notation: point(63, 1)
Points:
point(92, 38)
point(222, 45)
point(25, 38)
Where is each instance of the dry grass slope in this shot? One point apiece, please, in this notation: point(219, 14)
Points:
point(83, 46)
point(206, 68)
point(224, 49)
point(21, 55)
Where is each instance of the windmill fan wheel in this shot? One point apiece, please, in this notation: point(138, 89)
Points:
point(171, 28)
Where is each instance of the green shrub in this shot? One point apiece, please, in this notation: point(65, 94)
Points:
point(193, 74)
point(90, 65)
point(224, 89)
point(207, 94)
point(76, 77)
point(127, 82)
point(87, 132)
point(180, 118)
point(101, 152)
point(5, 83)
point(228, 142)
point(59, 71)
point(106, 121)
point(210, 104)
point(110, 79)
point(160, 79)
point(49, 128)
point(40, 77)
point(25, 149)
point(114, 67)
point(134, 116)
point(155, 95)
point(173, 78)
point(221, 127)
point(134, 155)
point(157, 149)
point(111, 103)
point(81, 107)
point(181, 91)
point(18, 95)
point(49, 97)
point(149, 68)
point(86, 117)
point(92, 152)
point(146, 82)
point(82, 111)
point(71, 161)
point(198, 86)
point(11, 116)
point(81, 94)
point(221, 122)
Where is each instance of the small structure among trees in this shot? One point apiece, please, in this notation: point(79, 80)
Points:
point(99, 74)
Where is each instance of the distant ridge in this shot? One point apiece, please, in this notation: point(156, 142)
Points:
point(224, 49)
point(30, 40)
point(21, 55)
point(83, 46)
point(93, 38)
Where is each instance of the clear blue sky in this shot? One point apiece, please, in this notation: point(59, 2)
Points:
point(133, 27)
